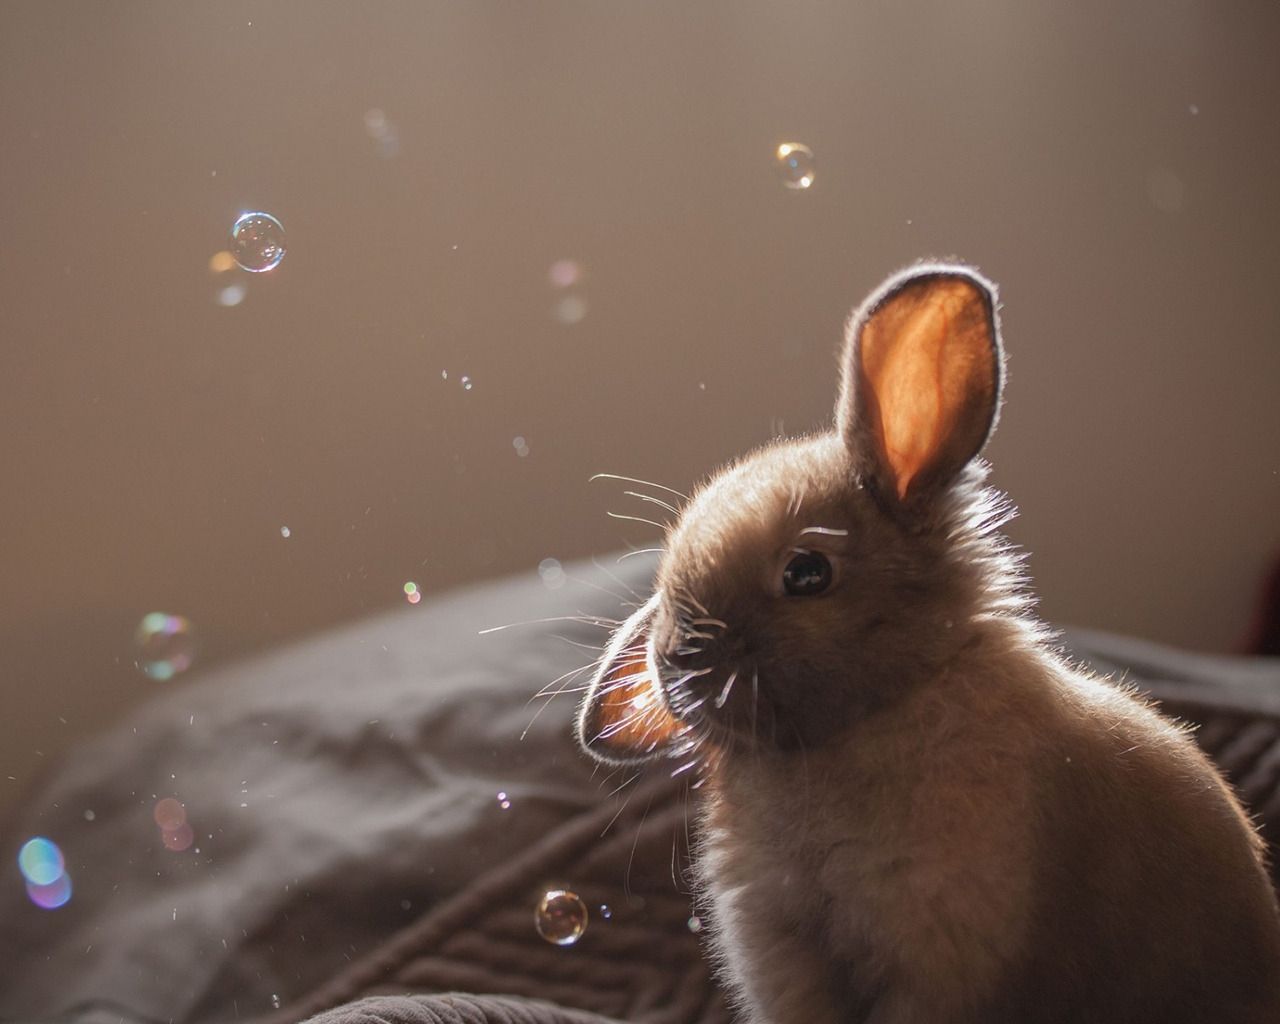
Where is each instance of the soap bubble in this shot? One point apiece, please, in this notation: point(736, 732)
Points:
point(411, 592)
point(503, 801)
point(571, 309)
point(564, 273)
point(52, 896)
point(695, 924)
point(521, 446)
point(795, 165)
point(561, 917)
point(169, 814)
point(257, 242)
point(166, 645)
point(466, 383)
point(285, 532)
point(606, 911)
point(40, 861)
point(552, 573)
point(231, 295)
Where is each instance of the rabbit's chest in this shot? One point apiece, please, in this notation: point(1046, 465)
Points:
point(904, 870)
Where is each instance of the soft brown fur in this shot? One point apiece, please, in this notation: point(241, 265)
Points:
point(918, 811)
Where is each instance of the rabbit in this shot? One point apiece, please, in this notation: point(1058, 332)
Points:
point(916, 809)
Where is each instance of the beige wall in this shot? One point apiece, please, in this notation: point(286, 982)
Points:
point(1114, 165)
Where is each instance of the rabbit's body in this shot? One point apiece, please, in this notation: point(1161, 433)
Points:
point(917, 811)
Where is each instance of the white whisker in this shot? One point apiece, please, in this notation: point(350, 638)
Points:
point(635, 480)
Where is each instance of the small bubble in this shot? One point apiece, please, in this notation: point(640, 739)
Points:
point(231, 295)
point(521, 446)
point(275, 1001)
point(466, 383)
point(285, 532)
point(89, 816)
point(52, 896)
point(695, 924)
point(702, 386)
point(169, 814)
point(222, 261)
point(41, 861)
point(257, 242)
point(503, 802)
point(795, 165)
point(165, 643)
point(552, 573)
point(1193, 110)
point(572, 309)
point(564, 273)
point(606, 911)
point(444, 374)
point(561, 917)
point(177, 839)
point(411, 592)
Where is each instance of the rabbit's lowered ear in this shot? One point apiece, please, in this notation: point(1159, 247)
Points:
point(624, 717)
point(920, 380)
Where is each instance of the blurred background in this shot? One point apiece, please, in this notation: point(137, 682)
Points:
point(527, 243)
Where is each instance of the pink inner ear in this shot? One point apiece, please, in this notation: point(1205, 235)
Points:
point(926, 356)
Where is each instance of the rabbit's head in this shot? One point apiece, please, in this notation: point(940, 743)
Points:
point(816, 580)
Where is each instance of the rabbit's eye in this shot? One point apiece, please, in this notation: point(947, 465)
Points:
point(806, 574)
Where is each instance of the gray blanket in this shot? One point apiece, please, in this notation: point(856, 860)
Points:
point(352, 854)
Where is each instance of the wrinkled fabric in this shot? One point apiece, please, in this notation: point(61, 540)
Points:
point(350, 841)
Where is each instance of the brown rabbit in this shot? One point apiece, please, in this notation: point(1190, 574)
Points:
point(917, 810)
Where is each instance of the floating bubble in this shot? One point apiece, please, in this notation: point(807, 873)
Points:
point(572, 309)
point(52, 896)
point(561, 917)
point(89, 816)
point(178, 839)
point(552, 573)
point(41, 862)
point(521, 446)
point(231, 295)
point(564, 273)
point(169, 814)
point(257, 242)
point(503, 802)
point(221, 262)
point(795, 165)
point(411, 592)
point(383, 132)
point(166, 645)
point(275, 1001)
point(606, 911)
point(466, 383)
point(1193, 110)
point(695, 924)
point(285, 532)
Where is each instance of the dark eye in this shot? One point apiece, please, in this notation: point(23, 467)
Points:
point(807, 573)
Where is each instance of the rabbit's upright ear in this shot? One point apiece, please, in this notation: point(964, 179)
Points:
point(920, 380)
point(624, 717)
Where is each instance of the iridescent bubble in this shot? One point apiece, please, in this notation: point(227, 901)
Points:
point(169, 813)
point(695, 924)
point(52, 896)
point(257, 242)
point(795, 165)
point(503, 801)
point(231, 295)
point(166, 645)
point(40, 861)
point(178, 839)
point(564, 273)
point(221, 261)
point(606, 911)
point(285, 532)
point(552, 573)
point(466, 383)
point(411, 592)
point(561, 917)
